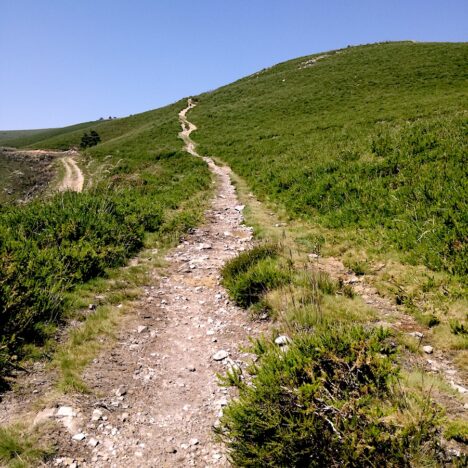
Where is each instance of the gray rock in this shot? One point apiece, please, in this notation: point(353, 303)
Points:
point(142, 328)
point(97, 415)
point(220, 355)
point(416, 334)
point(121, 391)
point(428, 349)
point(65, 411)
point(93, 442)
point(282, 340)
point(79, 436)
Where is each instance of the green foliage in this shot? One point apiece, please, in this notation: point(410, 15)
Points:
point(328, 400)
point(251, 274)
point(48, 247)
point(90, 139)
point(457, 430)
point(18, 449)
point(355, 142)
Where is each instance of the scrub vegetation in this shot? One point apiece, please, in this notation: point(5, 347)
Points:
point(362, 152)
point(48, 247)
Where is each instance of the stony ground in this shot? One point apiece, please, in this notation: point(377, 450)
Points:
point(158, 393)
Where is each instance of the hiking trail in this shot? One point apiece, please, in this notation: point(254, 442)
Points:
point(155, 395)
point(73, 179)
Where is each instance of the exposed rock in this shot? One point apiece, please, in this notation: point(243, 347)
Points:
point(79, 436)
point(428, 349)
point(142, 328)
point(282, 340)
point(65, 411)
point(220, 355)
point(121, 391)
point(44, 415)
point(93, 442)
point(416, 334)
point(97, 415)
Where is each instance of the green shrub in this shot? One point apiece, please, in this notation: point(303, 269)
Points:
point(49, 246)
point(252, 273)
point(327, 400)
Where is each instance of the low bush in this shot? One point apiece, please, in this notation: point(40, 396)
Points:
point(48, 247)
point(251, 274)
point(327, 400)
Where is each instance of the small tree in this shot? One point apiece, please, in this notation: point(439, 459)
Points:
point(91, 139)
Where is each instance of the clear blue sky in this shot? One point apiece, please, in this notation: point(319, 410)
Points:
point(68, 61)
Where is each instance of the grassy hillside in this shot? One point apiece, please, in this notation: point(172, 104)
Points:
point(142, 183)
point(67, 137)
point(368, 138)
point(11, 135)
point(34, 138)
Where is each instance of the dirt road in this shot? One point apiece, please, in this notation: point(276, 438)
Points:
point(73, 179)
point(158, 391)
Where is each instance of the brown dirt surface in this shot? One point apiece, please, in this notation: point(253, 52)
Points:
point(24, 174)
point(73, 178)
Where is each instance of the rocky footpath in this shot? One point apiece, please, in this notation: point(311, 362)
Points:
point(156, 395)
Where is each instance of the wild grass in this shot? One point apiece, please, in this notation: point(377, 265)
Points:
point(356, 144)
point(20, 449)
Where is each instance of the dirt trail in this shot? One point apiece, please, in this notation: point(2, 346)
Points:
point(158, 391)
point(73, 179)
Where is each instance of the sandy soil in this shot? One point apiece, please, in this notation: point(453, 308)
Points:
point(73, 179)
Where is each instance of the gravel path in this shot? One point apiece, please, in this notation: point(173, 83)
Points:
point(73, 179)
point(158, 391)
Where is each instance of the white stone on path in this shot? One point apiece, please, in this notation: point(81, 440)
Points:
point(220, 355)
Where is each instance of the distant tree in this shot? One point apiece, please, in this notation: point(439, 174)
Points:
point(90, 139)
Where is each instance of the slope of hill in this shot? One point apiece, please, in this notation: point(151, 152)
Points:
point(369, 139)
point(33, 138)
point(18, 135)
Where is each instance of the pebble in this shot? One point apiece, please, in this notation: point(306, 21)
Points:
point(93, 442)
point(282, 340)
point(416, 334)
point(142, 328)
point(121, 391)
point(220, 355)
point(79, 436)
point(97, 415)
point(428, 349)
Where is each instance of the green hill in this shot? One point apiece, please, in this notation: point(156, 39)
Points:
point(363, 152)
point(369, 138)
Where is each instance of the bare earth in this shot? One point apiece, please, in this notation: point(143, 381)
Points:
point(73, 179)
